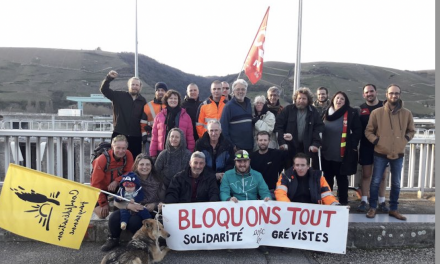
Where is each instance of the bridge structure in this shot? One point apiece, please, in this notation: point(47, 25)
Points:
point(66, 154)
point(94, 98)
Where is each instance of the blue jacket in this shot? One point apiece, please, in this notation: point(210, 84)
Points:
point(132, 177)
point(220, 160)
point(250, 186)
point(237, 125)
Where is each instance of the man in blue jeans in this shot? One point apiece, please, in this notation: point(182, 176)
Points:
point(390, 128)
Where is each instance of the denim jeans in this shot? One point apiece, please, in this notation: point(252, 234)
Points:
point(380, 165)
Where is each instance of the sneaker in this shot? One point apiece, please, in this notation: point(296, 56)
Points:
point(363, 207)
point(383, 208)
point(264, 250)
point(110, 244)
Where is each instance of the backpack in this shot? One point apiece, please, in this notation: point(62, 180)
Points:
point(103, 148)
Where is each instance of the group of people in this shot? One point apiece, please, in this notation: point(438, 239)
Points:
point(212, 150)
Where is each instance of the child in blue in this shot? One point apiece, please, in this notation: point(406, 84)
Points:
point(130, 188)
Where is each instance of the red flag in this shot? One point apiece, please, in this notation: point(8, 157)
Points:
point(253, 66)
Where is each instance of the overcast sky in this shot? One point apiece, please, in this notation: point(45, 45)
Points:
point(213, 37)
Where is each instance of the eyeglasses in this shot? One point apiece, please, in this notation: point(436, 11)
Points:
point(241, 156)
point(393, 93)
point(225, 88)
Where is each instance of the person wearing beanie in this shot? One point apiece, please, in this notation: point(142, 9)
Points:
point(151, 109)
point(127, 110)
point(130, 188)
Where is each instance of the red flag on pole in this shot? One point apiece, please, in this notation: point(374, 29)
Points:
point(253, 66)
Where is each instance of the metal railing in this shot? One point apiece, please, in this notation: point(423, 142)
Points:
point(58, 125)
point(67, 154)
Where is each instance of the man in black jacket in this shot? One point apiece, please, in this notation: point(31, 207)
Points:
point(127, 110)
point(298, 126)
point(194, 184)
point(191, 103)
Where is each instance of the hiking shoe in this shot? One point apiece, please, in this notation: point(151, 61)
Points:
point(383, 208)
point(264, 250)
point(371, 213)
point(363, 207)
point(397, 215)
point(110, 244)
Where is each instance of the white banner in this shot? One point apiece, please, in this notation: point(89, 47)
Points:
point(248, 224)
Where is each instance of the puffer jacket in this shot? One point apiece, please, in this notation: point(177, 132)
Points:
point(159, 131)
point(320, 192)
point(390, 130)
point(266, 123)
point(248, 186)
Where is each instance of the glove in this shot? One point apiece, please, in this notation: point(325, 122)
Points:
point(144, 139)
point(148, 129)
point(255, 119)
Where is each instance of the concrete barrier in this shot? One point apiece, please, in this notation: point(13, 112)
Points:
point(367, 235)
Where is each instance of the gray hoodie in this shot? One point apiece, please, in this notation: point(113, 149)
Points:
point(172, 160)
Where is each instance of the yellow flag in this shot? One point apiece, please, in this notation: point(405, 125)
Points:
point(44, 207)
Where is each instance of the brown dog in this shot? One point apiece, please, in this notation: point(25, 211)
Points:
point(143, 245)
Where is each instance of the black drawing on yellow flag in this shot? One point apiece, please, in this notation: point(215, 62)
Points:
point(44, 207)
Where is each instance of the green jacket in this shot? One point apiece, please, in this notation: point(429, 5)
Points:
point(250, 186)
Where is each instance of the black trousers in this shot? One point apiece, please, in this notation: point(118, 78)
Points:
point(331, 170)
point(134, 144)
point(114, 224)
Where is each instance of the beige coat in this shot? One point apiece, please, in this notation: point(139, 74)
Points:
point(390, 131)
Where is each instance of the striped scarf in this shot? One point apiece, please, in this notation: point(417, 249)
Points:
point(344, 134)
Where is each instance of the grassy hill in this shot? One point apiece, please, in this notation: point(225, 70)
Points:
point(38, 80)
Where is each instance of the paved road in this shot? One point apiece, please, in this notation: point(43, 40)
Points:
point(41, 253)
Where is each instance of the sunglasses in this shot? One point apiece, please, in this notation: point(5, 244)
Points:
point(241, 156)
point(226, 88)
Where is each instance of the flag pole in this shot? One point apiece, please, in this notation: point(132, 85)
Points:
point(120, 197)
point(253, 42)
point(136, 62)
point(296, 78)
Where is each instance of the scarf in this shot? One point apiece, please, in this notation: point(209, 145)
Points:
point(332, 115)
point(170, 120)
point(275, 109)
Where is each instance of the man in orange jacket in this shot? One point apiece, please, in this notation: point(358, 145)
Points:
point(151, 109)
point(107, 176)
point(303, 184)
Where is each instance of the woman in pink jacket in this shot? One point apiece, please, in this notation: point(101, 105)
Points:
point(170, 117)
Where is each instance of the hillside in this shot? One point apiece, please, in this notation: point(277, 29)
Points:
point(38, 80)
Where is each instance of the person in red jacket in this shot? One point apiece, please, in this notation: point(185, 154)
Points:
point(108, 178)
point(303, 184)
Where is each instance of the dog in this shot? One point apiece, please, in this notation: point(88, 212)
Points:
point(143, 246)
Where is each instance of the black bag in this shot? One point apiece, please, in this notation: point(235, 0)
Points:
point(103, 148)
